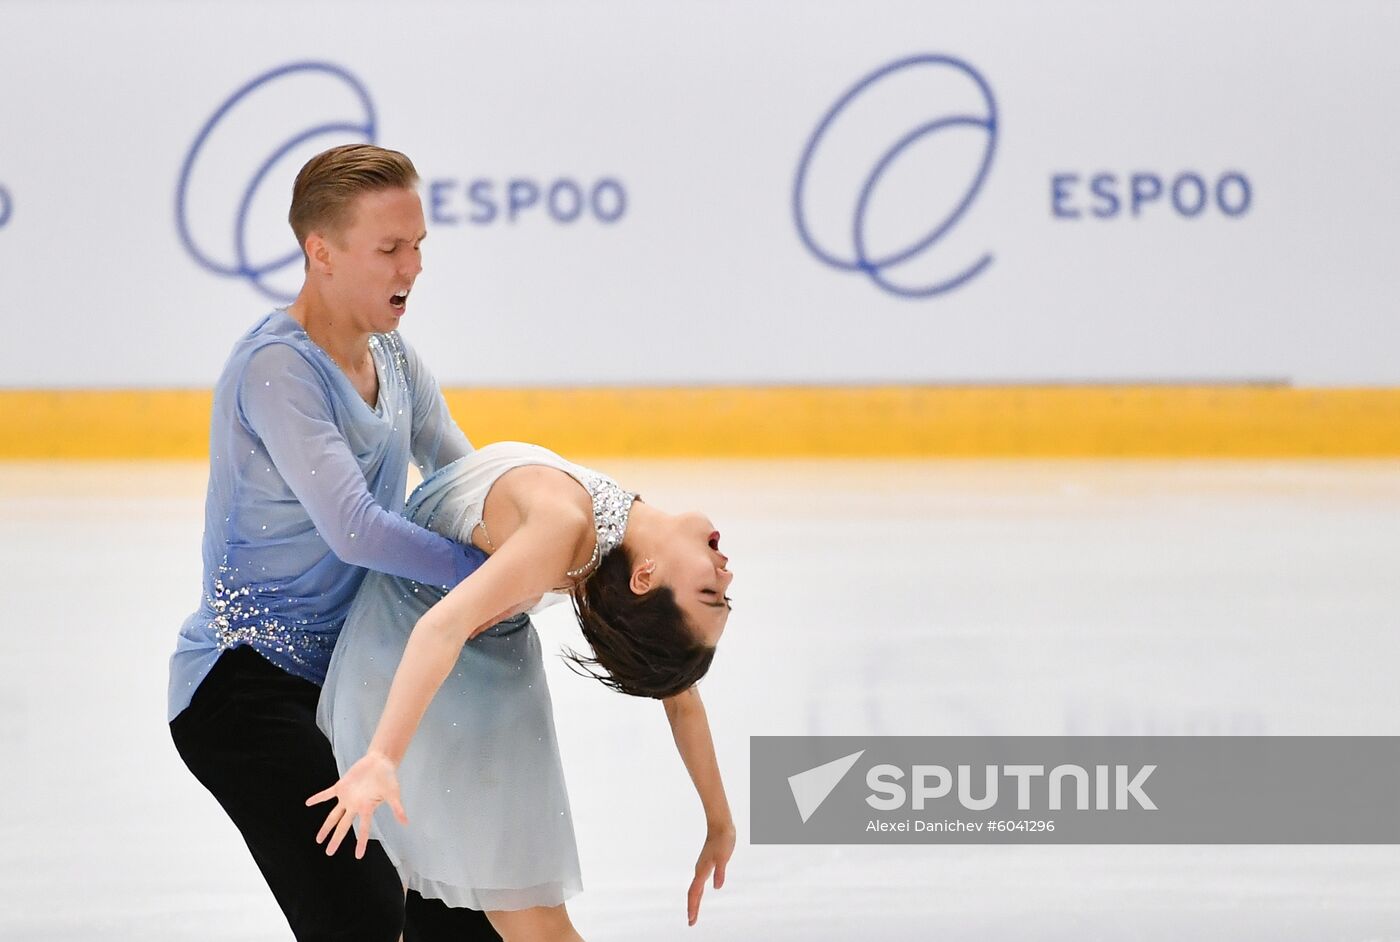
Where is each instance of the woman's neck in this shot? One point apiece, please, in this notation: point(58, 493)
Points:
point(643, 521)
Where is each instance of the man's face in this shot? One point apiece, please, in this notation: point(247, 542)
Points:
point(376, 258)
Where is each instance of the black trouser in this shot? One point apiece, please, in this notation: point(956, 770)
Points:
point(250, 737)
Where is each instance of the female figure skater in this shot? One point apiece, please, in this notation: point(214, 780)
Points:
point(482, 778)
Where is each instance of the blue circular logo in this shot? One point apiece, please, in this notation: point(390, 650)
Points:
point(852, 178)
point(259, 135)
point(6, 206)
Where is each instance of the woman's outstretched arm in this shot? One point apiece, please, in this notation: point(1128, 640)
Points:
point(528, 564)
point(690, 728)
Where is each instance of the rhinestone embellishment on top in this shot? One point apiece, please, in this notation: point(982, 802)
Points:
point(611, 505)
point(239, 619)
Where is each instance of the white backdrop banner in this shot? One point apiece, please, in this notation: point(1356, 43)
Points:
point(723, 192)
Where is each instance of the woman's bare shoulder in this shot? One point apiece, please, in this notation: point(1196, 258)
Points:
point(560, 512)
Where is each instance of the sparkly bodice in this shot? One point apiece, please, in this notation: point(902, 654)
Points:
point(611, 505)
point(451, 501)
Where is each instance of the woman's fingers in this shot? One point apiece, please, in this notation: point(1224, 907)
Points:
point(713, 859)
point(341, 829)
point(366, 818)
point(697, 890)
point(331, 819)
point(359, 793)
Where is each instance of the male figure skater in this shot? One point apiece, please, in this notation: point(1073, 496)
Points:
point(315, 418)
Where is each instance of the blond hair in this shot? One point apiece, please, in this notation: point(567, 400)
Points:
point(329, 183)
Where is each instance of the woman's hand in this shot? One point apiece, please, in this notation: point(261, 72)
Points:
point(359, 791)
point(714, 857)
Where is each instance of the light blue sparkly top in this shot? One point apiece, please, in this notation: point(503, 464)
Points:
point(306, 485)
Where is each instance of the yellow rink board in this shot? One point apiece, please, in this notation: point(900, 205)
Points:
point(880, 421)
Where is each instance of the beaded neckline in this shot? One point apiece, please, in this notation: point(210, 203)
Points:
point(611, 505)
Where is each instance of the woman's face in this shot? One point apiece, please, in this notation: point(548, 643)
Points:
point(689, 561)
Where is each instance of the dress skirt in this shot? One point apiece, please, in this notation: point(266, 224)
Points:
point(481, 782)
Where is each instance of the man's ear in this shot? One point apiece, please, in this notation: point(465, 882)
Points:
point(318, 254)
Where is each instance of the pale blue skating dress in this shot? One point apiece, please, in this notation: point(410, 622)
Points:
point(482, 784)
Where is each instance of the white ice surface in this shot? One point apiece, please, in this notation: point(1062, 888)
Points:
point(871, 598)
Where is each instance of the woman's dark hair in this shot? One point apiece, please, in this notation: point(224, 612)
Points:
point(642, 644)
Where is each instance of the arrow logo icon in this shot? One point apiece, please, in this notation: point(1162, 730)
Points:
point(812, 787)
